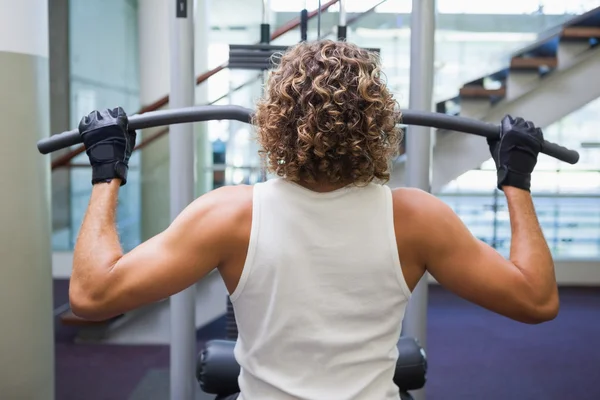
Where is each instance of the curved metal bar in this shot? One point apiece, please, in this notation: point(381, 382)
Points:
point(237, 113)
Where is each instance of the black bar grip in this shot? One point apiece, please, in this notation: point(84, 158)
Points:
point(59, 141)
point(475, 127)
point(342, 32)
point(560, 152)
point(237, 113)
point(304, 25)
point(155, 118)
point(265, 33)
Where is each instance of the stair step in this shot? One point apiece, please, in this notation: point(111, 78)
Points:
point(533, 62)
point(580, 32)
point(521, 81)
point(569, 50)
point(480, 91)
point(474, 107)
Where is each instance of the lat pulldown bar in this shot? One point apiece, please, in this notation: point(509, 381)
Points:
point(258, 56)
point(237, 113)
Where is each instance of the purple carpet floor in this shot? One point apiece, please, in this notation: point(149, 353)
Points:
point(472, 353)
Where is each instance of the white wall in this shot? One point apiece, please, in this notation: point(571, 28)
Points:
point(578, 273)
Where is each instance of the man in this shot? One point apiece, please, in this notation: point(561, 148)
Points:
point(320, 262)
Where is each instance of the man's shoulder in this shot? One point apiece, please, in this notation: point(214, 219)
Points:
point(223, 211)
point(416, 206)
point(229, 200)
point(417, 216)
point(233, 193)
point(411, 198)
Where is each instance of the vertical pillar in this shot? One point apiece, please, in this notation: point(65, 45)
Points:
point(153, 39)
point(265, 38)
point(342, 24)
point(26, 336)
point(60, 107)
point(418, 144)
point(181, 164)
point(204, 153)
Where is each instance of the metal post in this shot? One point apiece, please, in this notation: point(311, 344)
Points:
point(304, 25)
point(266, 10)
point(343, 18)
point(265, 28)
point(204, 151)
point(265, 74)
point(181, 158)
point(418, 145)
point(342, 28)
point(319, 22)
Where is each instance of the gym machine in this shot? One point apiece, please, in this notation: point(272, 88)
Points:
point(216, 368)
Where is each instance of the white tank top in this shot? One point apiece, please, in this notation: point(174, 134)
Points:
point(321, 299)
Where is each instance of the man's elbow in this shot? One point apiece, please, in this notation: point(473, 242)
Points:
point(543, 312)
point(89, 305)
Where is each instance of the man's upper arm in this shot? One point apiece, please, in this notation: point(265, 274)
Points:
point(189, 249)
point(462, 263)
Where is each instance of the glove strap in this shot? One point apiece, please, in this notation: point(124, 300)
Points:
point(507, 177)
point(102, 173)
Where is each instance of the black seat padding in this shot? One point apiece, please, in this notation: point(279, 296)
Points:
point(217, 370)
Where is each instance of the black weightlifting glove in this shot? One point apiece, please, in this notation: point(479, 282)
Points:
point(108, 143)
point(515, 152)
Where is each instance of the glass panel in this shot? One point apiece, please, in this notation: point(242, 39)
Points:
point(352, 6)
point(456, 6)
point(466, 49)
point(567, 197)
point(571, 223)
point(89, 91)
point(100, 82)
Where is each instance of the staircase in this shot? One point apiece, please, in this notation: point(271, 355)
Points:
point(544, 82)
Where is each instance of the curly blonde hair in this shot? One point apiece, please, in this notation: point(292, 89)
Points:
point(327, 116)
